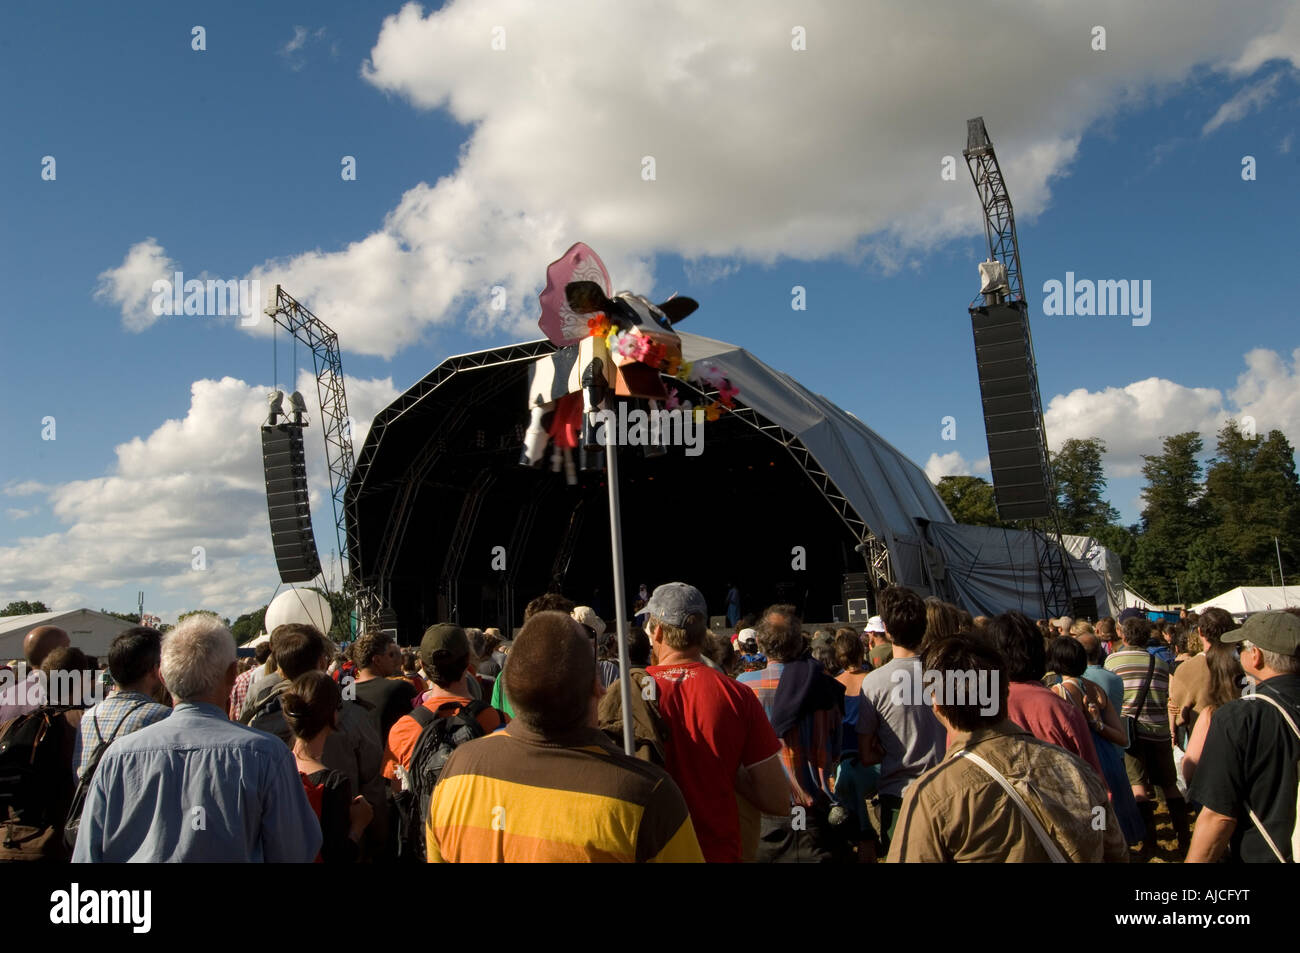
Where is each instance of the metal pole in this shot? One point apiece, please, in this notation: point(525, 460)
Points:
point(1278, 549)
point(620, 598)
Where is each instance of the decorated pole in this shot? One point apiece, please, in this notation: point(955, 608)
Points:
point(620, 596)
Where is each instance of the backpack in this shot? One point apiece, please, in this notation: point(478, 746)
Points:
point(1254, 818)
point(73, 823)
point(441, 733)
point(36, 782)
point(650, 734)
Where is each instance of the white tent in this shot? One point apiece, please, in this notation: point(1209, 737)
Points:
point(1247, 599)
point(90, 631)
point(990, 570)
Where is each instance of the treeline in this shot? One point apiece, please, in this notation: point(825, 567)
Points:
point(1203, 529)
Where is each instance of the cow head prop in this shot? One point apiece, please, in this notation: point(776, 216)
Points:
point(620, 345)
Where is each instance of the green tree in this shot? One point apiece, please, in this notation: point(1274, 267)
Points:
point(1251, 496)
point(970, 500)
point(132, 617)
point(1173, 516)
point(24, 608)
point(185, 615)
point(248, 626)
point(1080, 485)
point(341, 605)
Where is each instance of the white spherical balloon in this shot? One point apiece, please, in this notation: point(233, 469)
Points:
point(299, 605)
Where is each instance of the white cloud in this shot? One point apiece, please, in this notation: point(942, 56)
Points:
point(946, 464)
point(130, 284)
point(1245, 101)
point(1133, 420)
point(292, 51)
point(761, 152)
point(196, 481)
point(25, 488)
point(1280, 43)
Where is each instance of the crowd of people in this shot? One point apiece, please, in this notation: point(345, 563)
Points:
point(929, 735)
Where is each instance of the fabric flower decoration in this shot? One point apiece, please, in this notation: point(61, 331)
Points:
point(598, 325)
point(684, 372)
point(654, 355)
point(672, 403)
point(727, 393)
point(713, 411)
point(712, 376)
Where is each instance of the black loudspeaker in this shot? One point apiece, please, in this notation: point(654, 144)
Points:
point(856, 590)
point(285, 466)
point(1083, 607)
point(1012, 416)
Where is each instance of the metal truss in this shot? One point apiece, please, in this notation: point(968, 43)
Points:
point(328, 365)
point(449, 581)
point(374, 582)
point(879, 558)
point(1000, 231)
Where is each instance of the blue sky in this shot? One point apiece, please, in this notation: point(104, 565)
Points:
point(229, 159)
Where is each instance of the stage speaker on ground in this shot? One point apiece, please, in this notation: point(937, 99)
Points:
point(1012, 411)
point(1084, 607)
point(285, 466)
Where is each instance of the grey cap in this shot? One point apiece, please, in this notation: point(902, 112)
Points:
point(1272, 631)
point(674, 601)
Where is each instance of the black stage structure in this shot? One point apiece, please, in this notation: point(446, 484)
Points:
point(444, 522)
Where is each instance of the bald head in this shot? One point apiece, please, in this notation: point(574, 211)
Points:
point(551, 677)
point(41, 641)
point(1091, 645)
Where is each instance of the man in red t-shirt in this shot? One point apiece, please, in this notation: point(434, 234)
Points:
point(722, 744)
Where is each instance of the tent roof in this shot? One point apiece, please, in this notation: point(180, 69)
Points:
point(886, 489)
point(881, 487)
point(1246, 599)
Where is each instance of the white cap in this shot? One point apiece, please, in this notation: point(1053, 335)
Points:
point(875, 624)
point(747, 638)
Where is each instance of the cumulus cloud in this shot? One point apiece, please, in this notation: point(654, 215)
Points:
point(191, 482)
point(129, 286)
point(946, 464)
point(1245, 101)
point(1133, 420)
point(761, 152)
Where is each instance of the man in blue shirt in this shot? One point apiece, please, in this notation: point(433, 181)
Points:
point(196, 786)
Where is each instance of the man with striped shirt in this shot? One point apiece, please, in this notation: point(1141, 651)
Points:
point(551, 787)
point(1149, 760)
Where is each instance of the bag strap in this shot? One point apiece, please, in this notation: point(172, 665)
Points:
point(1146, 688)
point(1278, 705)
point(1254, 818)
point(93, 763)
point(1049, 845)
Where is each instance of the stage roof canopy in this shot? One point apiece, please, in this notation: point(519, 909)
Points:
point(873, 485)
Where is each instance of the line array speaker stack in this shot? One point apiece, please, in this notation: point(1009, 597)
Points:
point(857, 596)
point(285, 466)
point(1012, 411)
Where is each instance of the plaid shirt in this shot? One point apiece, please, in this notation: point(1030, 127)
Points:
point(239, 694)
point(810, 749)
point(112, 718)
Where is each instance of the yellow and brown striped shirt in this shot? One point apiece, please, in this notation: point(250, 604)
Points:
point(518, 796)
